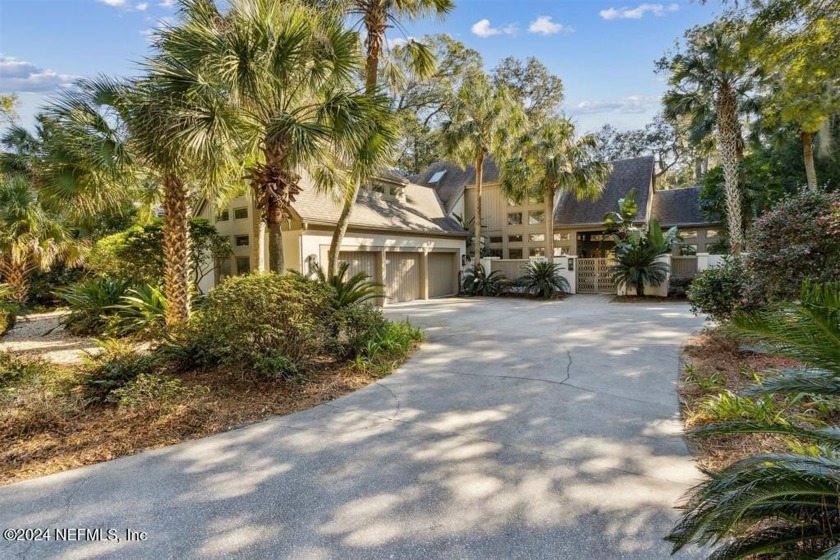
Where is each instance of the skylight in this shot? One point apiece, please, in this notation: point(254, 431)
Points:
point(437, 177)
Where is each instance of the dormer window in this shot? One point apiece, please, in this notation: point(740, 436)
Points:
point(435, 179)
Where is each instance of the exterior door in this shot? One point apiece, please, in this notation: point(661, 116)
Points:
point(443, 278)
point(402, 276)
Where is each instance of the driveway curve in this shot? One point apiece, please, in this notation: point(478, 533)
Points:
point(521, 429)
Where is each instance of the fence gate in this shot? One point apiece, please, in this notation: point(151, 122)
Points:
point(593, 276)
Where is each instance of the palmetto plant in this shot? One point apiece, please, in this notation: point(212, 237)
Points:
point(637, 257)
point(477, 282)
point(551, 160)
point(778, 505)
point(543, 279)
point(355, 290)
point(716, 65)
point(140, 312)
point(92, 303)
point(31, 236)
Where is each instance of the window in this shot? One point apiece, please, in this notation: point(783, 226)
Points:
point(562, 237)
point(437, 177)
point(536, 217)
point(536, 252)
point(496, 253)
point(243, 265)
point(495, 239)
point(514, 253)
point(223, 271)
point(539, 237)
point(688, 234)
point(712, 233)
point(514, 239)
point(240, 240)
point(378, 189)
point(559, 251)
point(240, 213)
point(223, 216)
point(515, 219)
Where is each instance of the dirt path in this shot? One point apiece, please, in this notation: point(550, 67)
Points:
point(40, 335)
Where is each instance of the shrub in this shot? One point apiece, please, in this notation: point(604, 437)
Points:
point(151, 391)
point(252, 321)
point(477, 282)
point(357, 289)
point(637, 257)
point(796, 241)
point(719, 291)
point(394, 340)
point(542, 279)
point(8, 309)
point(355, 327)
point(14, 371)
point(116, 365)
point(140, 313)
point(92, 304)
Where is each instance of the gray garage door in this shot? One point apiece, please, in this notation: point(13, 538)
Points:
point(443, 279)
point(360, 261)
point(402, 277)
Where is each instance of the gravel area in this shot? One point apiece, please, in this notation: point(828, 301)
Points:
point(40, 335)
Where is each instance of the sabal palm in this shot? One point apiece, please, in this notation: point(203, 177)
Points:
point(778, 505)
point(31, 237)
point(551, 161)
point(286, 70)
point(485, 122)
point(377, 16)
point(716, 66)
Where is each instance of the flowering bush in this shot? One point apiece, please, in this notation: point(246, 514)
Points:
point(798, 239)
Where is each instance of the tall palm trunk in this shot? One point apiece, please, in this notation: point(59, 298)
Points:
point(276, 260)
point(479, 181)
point(727, 130)
point(257, 237)
point(14, 274)
point(341, 228)
point(176, 251)
point(549, 223)
point(808, 153)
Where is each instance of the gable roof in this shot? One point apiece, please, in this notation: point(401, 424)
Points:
point(450, 187)
point(418, 211)
point(678, 207)
point(626, 174)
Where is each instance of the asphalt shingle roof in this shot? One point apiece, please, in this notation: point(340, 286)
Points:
point(678, 207)
point(626, 174)
point(419, 211)
point(451, 186)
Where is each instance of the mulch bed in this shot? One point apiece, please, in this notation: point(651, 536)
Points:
point(42, 444)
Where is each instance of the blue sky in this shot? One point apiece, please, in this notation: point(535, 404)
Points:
point(603, 50)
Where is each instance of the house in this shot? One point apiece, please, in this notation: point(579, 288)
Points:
point(517, 231)
point(399, 234)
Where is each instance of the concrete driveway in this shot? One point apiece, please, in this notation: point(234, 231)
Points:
point(521, 429)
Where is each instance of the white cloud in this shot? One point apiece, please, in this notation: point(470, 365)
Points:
point(639, 11)
point(483, 29)
point(626, 105)
point(544, 26)
point(167, 4)
point(114, 2)
point(18, 76)
point(141, 7)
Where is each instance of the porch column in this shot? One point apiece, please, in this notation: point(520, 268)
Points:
point(424, 275)
point(380, 275)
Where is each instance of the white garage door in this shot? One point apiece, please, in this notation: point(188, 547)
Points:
point(443, 280)
point(359, 261)
point(402, 276)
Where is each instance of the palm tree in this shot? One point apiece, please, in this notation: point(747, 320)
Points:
point(31, 237)
point(552, 161)
point(484, 122)
point(286, 71)
point(637, 257)
point(778, 505)
point(377, 16)
point(716, 66)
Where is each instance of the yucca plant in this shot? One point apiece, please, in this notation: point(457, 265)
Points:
point(543, 279)
point(477, 282)
point(778, 505)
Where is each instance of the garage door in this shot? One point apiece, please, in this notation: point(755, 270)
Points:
point(442, 277)
point(359, 261)
point(402, 276)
